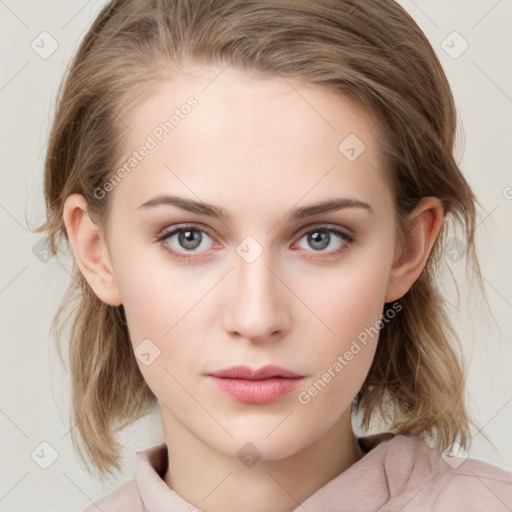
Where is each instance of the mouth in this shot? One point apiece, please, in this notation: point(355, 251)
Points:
point(264, 385)
point(265, 372)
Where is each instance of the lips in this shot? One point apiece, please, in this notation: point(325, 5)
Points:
point(244, 372)
point(263, 386)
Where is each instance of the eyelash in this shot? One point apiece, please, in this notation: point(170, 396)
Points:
point(184, 256)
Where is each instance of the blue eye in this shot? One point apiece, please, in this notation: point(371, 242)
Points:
point(322, 237)
point(189, 240)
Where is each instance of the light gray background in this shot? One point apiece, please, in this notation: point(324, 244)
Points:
point(34, 387)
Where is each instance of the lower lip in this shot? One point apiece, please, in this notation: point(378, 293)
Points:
point(257, 391)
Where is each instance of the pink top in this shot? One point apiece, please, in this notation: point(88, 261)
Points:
point(397, 473)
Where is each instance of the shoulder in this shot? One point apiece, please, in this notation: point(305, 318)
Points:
point(474, 485)
point(430, 480)
point(124, 498)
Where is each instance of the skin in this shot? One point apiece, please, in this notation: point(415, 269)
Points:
point(258, 148)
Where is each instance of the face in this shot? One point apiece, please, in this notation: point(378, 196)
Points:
point(266, 282)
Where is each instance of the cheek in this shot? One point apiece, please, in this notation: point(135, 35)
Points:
point(162, 304)
point(351, 306)
point(351, 298)
point(342, 360)
point(155, 293)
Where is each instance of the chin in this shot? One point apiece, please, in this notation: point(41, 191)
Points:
point(264, 444)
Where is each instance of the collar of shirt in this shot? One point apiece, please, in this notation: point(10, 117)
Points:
point(151, 465)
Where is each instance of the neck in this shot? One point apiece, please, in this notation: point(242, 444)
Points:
point(214, 481)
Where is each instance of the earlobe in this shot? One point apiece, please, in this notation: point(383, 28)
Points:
point(423, 226)
point(90, 249)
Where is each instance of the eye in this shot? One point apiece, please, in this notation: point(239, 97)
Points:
point(184, 239)
point(325, 237)
point(182, 242)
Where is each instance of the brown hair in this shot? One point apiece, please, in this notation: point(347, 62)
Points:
point(370, 51)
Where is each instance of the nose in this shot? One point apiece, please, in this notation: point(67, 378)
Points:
point(257, 304)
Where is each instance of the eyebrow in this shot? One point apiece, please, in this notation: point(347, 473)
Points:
point(190, 205)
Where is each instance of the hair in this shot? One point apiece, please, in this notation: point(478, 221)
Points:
point(371, 52)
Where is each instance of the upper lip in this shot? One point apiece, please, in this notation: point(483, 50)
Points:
point(244, 372)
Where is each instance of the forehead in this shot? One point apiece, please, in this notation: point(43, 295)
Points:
point(223, 136)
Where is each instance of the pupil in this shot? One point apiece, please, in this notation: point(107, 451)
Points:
point(320, 239)
point(189, 238)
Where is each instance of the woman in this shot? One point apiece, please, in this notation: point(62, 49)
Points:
point(257, 196)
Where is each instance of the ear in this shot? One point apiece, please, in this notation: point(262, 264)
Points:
point(90, 249)
point(423, 225)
